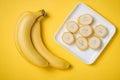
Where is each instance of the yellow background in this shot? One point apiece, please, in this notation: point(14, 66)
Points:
point(14, 67)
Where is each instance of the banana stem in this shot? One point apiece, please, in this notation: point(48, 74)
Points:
point(44, 13)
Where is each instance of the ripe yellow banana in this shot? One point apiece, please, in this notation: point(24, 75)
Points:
point(41, 48)
point(23, 40)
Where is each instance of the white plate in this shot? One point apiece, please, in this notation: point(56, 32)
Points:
point(88, 56)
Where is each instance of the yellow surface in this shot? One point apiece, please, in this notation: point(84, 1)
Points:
point(15, 67)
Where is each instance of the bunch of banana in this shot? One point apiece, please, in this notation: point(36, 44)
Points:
point(29, 42)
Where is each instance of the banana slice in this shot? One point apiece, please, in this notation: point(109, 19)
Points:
point(72, 26)
point(68, 37)
point(94, 42)
point(85, 31)
point(100, 31)
point(82, 43)
point(85, 19)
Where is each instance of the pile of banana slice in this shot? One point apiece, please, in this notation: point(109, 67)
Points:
point(28, 40)
point(89, 36)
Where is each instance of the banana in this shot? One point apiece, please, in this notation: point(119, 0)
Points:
point(23, 40)
point(82, 43)
point(85, 19)
point(68, 38)
point(86, 31)
point(94, 42)
point(72, 26)
point(36, 36)
point(100, 31)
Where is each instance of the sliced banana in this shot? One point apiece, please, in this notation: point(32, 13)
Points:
point(85, 31)
point(100, 31)
point(72, 26)
point(85, 19)
point(94, 42)
point(81, 43)
point(68, 37)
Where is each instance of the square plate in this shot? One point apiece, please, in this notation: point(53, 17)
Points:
point(88, 56)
